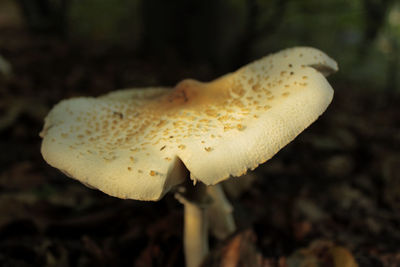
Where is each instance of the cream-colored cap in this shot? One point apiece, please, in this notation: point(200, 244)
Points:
point(139, 143)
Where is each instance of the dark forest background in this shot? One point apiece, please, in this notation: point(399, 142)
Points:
point(330, 198)
point(219, 36)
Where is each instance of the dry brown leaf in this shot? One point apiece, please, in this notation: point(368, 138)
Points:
point(239, 251)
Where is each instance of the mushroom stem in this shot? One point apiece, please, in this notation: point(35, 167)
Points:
point(222, 223)
point(195, 233)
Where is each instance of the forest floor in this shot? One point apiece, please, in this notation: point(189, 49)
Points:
point(330, 197)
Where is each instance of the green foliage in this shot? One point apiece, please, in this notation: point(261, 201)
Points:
point(112, 22)
point(362, 35)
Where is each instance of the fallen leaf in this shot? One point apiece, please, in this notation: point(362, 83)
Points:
point(238, 251)
point(322, 253)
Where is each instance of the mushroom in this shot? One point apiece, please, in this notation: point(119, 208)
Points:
point(141, 143)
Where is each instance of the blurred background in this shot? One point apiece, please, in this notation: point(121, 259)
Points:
point(330, 198)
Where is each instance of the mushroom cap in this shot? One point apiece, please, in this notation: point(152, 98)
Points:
point(139, 143)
